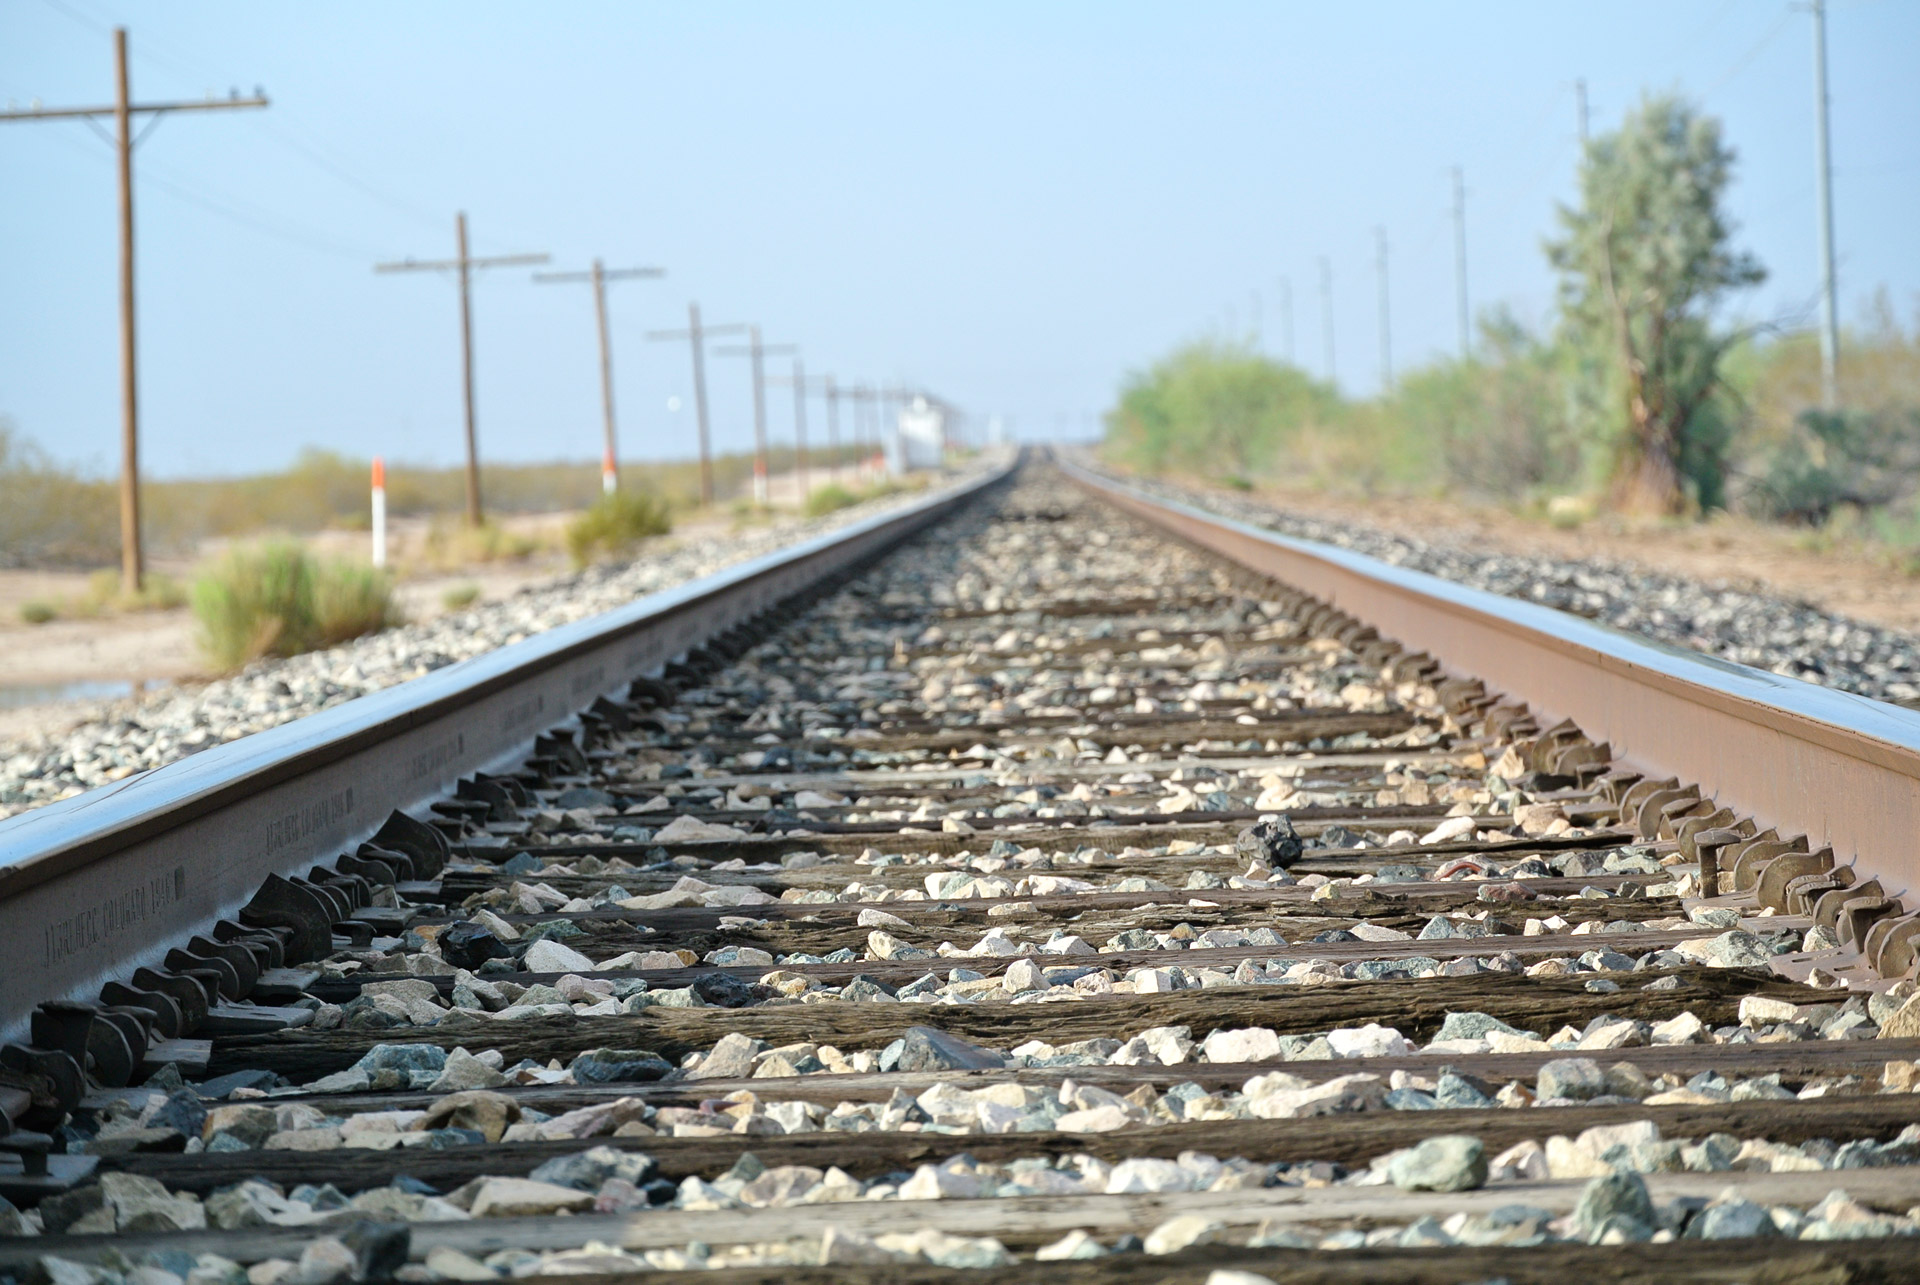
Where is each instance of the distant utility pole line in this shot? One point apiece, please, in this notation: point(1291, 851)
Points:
point(1823, 161)
point(123, 110)
point(696, 335)
point(464, 264)
point(798, 379)
point(755, 350)
point(831, 391)
point(1286, 319)
point(1386, 313)
point(597, 277)
point(863, 398)
point(1460, 261)
point(1326, 313)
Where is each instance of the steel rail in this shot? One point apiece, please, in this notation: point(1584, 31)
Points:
point(1840, 769)
point(94, 886)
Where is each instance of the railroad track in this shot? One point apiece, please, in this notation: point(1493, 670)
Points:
point(1054, 897)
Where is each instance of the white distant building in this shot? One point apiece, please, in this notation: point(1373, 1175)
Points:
point(919, 439)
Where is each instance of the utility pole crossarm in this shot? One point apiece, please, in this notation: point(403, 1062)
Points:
point(609, 274)
point(704, 330)
point(135, 109)
point(445, 265)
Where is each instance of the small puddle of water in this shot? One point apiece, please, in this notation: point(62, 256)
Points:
point(21, 695)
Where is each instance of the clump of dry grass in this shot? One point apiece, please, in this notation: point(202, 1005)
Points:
point(276, 599)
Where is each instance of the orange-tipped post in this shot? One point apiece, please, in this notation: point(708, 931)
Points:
point(379, 512)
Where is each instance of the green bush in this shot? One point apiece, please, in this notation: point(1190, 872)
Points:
point(38, 612)
point(454, 597)
point(615, 524)
point(275, 599)
point(830, 498)
point(350, 600)
point(833, 497)
point(452, 544)
point(157, 593)
point(1217, 409)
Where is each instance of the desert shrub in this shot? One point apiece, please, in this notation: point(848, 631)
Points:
point(833, 497)
point(830, 498)
point(1216, 408)
point(104, 593)
point(455, 597)
point(49, 515)
point(453, 544)
point(275, 599)
point(1834, 458)
point(38, 611)
point(349, 601)
point(615, 524)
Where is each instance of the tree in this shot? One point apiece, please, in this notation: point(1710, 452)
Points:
point(1215, 409)
point(1644, 261)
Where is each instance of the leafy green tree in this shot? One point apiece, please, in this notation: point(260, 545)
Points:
point(1644, 261)
point(1216, 410)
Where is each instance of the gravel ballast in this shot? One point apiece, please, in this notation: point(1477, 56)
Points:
point(125, 737)
point(1781, 635)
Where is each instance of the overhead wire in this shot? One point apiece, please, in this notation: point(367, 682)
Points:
point(279, 123)
point(1746, 60)
point(146, 174)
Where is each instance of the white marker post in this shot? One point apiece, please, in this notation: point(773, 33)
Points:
point(379, 512)
point(609, 475)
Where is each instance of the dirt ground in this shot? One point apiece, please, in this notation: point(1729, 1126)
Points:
point(1847, 582)
point(49, 673)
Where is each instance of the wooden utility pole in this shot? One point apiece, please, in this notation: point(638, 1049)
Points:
point(832, 391)
point(123, 110)
point(798, 381)
point(598, 277)
point(696, 334)
point(463, 265)
point(756, 351)
point(860, 395)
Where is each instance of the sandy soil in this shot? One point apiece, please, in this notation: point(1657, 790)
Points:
point(49, 673)
point(1848, 582)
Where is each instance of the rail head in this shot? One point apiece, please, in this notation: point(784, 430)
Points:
point(1840, 768)
point(97, 884)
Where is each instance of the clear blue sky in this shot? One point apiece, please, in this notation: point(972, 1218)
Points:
point(1010, 203)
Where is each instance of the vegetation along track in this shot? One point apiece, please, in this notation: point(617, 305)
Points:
point(1051, 897)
